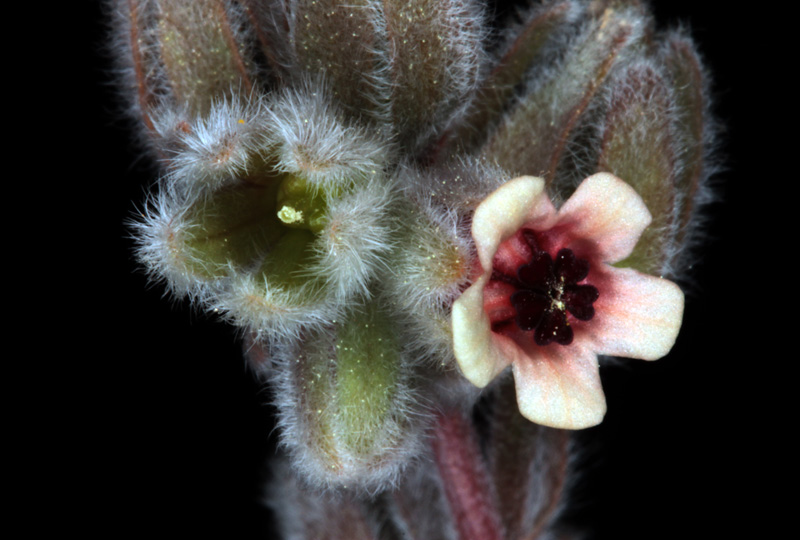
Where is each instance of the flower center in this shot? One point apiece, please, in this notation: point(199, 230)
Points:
point(544, 290)
point(300, 205)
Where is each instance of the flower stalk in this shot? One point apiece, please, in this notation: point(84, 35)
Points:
point(465, 478)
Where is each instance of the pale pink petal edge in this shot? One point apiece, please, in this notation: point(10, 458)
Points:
point(638, 315)
point(515, 203)
point(560, 388)
point(607, 211)
point(480, 353)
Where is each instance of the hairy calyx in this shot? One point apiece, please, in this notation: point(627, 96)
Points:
point(542, 292)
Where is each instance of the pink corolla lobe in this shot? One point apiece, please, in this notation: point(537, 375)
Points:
point(547, 300)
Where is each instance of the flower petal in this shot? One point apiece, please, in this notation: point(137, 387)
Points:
point(506, 210)
point(638, 316)
point(607, 211)
point(481, 354)
point(560, 387)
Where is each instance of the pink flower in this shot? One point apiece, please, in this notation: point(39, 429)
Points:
point(548, 300)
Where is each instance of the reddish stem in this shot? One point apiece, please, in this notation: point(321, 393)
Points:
point(465, 479)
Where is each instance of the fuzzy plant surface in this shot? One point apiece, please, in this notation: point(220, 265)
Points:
point(430, 229)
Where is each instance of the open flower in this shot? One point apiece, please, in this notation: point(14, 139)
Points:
point(548, 300)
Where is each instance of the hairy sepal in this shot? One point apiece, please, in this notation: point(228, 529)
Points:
point(555, 104)
point(277, 299)
point(357, 236)
point(639, 145)
point(229, 143)
point(435, 58)
point(190, 240)
point(203, 51)
point(346, 404)
point(313, 139)
point(429, 268)
point(339, 40)
point(695, 130)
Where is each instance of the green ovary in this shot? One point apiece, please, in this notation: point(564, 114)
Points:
point(301, 205)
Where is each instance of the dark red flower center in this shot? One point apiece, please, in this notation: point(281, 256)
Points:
point(545, 290)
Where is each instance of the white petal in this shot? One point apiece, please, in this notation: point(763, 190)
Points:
point(480, 353)
point(560, 387)
point(504, 211)
point(607, 211)
point(637, 315)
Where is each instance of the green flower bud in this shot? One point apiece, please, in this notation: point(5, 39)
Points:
point(692, 124)
point(201, 52)
point(436, 58)
point(638, 145)
point(346, 403)
point(534, 136)
point(339, 39)
point(543, 25)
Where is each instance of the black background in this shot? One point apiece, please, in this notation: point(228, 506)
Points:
point(154, 426)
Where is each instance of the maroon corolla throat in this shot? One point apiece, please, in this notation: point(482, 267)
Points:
point(542, 293)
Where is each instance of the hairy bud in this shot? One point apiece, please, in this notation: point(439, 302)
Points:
point(347, 405)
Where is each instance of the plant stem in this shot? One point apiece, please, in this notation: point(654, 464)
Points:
point(465, 478)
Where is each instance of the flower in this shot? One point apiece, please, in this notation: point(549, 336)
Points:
point(548, 300)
